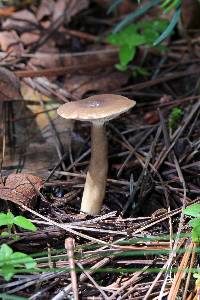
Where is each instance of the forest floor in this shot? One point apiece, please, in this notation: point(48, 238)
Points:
point(55, 52)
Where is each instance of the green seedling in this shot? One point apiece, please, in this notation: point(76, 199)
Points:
point(9, 220)
point(194, 212)
point(14, 262)
point(130, 38)
point(175, 117)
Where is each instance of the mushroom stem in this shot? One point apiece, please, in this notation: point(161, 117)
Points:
point(95, 185)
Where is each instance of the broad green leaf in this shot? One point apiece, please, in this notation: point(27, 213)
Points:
point(150, 35)
point(135, 39)
point(6, 219)
point(19, 258)
point(126, 54)
point(195, 236)
point(194, 222)
point(24, 223)
point(5, 252)
point(122, 37)
point(160, 24)
point(7, 271)
point(193, 210)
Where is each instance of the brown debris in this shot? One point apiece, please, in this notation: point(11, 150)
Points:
point(73, 7)
point(28, 38)
point(10, 42)
point(81, 84)
point(45, 9)
point(22, 20)
point(21, 188)
point(151, 117)
point(9, 86)
point(47, 56)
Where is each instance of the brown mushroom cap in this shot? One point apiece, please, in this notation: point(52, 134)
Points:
point(102, 108)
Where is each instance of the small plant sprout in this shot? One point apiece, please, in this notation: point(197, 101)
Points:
point(9, 220)
point(14, 262)
point(142, 33)
point(194, 212)
point(175, 117)
point(98, 110)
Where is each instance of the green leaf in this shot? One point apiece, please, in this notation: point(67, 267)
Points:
point(195, 235)
point(196, 275)
point(5, 234)
point(6, 219)
point(24, 223)
point(5, 252)
point(11, 263)
point(193, 210)
point(194, 222)
point(126, 54)
point(175, 117)
point(121, 67)
point(7, 271)
point(123, 36)
point(19, 258)
point(135, 39)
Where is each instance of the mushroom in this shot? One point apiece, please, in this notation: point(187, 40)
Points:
point(97, 110)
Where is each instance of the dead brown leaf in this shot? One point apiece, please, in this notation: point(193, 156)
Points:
point(22, 20)
point(28, 38)
point(21, 188)
point(50, 59)
point(9, 85)
point(72, 7)
point(151, 117)
point(126, 7)
point(45, 9)
point(42, 157)
point(10, 42)
point(104, 3)
point(190, 14)
point(1, 183)
point(80, 85)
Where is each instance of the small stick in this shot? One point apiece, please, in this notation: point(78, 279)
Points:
point(69, 245)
